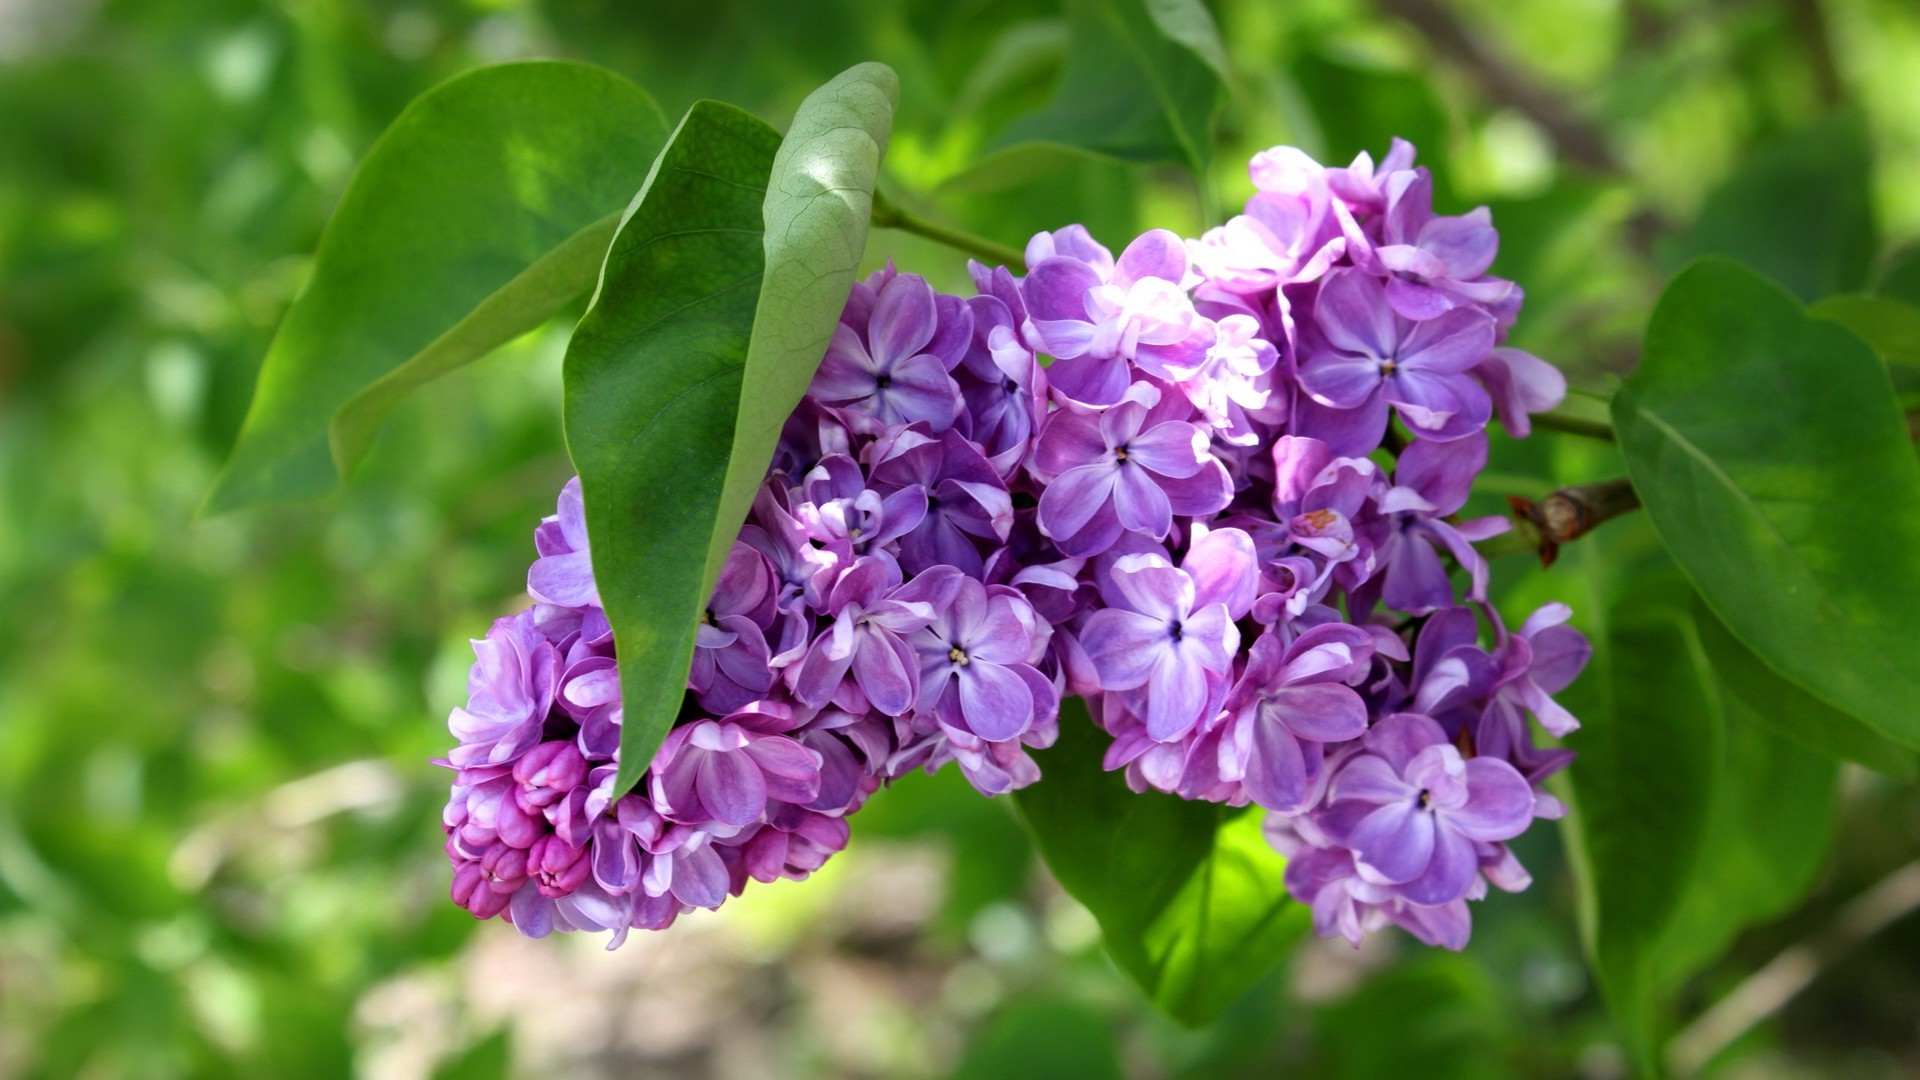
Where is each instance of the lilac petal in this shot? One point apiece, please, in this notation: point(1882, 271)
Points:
point(1439, 406)
point(1321, 712)
point(1400, 738)
point(1140, 503)
point(1056, 289)
point(1156, 253)
point(1123, 646)
point(1521, 383)
point(846, 372)
point(1069, 440)
point(699, 877)
point(904, 319)
point(1001, 635)
point(1205, 492)
point(1466, 244)
point(1209, 638)
point(1499, 802)
point(1396, 841)
point(820, 674)
point(1071, 500)
point(1096, 536)
point(1090, 380)
point(532, 913)
point(1352, 311)
point(995, 701)
point(1276, 776)
point(566, 580)
point(1151, 586)
point(1411, 300)
point(1177, 693)
point(885, 672)
point(1340, 380)
point(1175, 449)
point(790, 770)
point(1370, 779)
point(1450, 344)
point(921, 389)
point(1445, 926)
point(731, 787)
point(1442, 472)
point(1225, 570)
point(1352, 432)
point(1450, 871)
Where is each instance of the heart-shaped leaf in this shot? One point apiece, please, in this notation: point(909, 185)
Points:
point(1772, 458)
point(481, 212)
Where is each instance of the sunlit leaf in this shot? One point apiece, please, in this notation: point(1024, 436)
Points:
point(1770, 453)
point(481, 213)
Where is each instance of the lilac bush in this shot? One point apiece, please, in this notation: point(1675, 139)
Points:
point(1212, 486)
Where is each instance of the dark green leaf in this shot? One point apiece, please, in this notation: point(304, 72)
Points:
point(653, 382)
point(1766, 840)
point(480, 214)
point(1188, 894)
point(1447, 1022)
point(1771, 456)
point(1643, 793)
point(1800, 211)
point(715, 306)
point(1899, 276)
point(1143, 83)
point(1752, 688)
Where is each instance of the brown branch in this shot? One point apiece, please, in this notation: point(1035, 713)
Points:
point(1570, 513)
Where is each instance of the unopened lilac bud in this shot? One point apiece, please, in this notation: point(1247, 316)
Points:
point(548, 772)
point(516, 825)
point(505, 867)
point(556, 866)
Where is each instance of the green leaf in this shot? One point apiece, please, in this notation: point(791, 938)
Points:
point(1188, 894)
point(1772, 459)
point(1890, 327)
point(1043, 1039)
point(1799, 210)
point(819, 201)
point(653, 379)
point(1360, 108)
point(480, 213)
point(1767, 838)
point(1143, 83)
point(1785, 709)
point(715, 306)
point(1643, 790)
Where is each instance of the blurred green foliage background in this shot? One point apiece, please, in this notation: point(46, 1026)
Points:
point(218, 831)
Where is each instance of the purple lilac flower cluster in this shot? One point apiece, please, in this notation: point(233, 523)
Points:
point(1171, 483)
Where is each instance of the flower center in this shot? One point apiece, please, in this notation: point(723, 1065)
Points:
point(1120, 453)
point(1426, 799)
point(1387, 367)
point(883, 381)
point(958, 656)
point(1175, 630)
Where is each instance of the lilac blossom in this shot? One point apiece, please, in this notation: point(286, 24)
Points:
point(1161, 482)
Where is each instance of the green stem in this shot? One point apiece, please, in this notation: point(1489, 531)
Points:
point(1574, 425)
point(887, 215)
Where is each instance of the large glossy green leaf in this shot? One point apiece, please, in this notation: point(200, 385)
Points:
point(653, 382)
point(480, 213)
point(1771, 456)
point(718, 298)
point(819, 201)
point(1752, 688)
point(1143, 83)
point(1188, 894)
point(1799, 210)
point(1643, 792)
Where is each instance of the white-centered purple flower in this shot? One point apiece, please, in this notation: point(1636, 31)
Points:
point(1130, 468)
point(1099, 326)
point(1374, 357)
point(1417, 807)
point(894, 369)
point(976, 674)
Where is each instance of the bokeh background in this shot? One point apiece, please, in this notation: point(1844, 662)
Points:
point(219, 848)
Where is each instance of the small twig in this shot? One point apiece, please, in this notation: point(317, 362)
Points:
point(1574, 425)
point(1570, 513)
point(1579, 140)
point(888, 215)
point(1766, 991)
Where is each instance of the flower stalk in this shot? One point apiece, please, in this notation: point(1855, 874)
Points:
point(889, 215)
